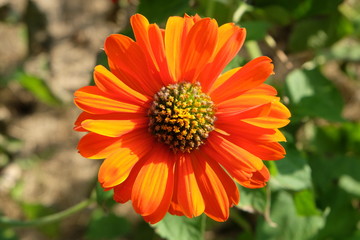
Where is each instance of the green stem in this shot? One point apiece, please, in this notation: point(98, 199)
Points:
point(4, 221)
point(203, 225)
point(253, 49)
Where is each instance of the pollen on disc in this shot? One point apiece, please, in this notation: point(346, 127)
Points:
point(181, 116)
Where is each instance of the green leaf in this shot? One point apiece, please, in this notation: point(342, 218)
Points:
point(221, 10)
point(181, 228)
point(7, 234)
point(350, 185)
point(305, 203)
point(34, 211)
point(309, 33)
point(107, 226)
point(293, 172)
point(343, 216)
point(277, 14)
point(252, 200)
point(37, 87)
point(104, 198)
point(255, 30)
point(313, 95)
point(315, 32)
point(290, 225)
point(159, 10)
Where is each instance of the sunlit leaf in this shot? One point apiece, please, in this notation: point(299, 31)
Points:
point(350, 185)
point(293, 172)
point(313, 95)
point(290, 225)
point(181, 228)
point(252, 200)
point(37, 87)
point(305, 203)
point(107, 226)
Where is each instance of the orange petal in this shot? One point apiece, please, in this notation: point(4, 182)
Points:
point(109, 83)
point(241, 128)
point(164, 205)
point(150, 39)
point(153, 181)
point(249, 76)
point(188, 193)
point(128, 60)
point(96, 146)
point(92, 100)
point(116, 168)
point(176, 31)
point(233, 115)
point(262, 149)
point(174, 207)
point(198, 49)
point(267, 122)
point(242, 102)
point(212, 189)
point(228, 183)
point(262, 89)
point(231, 38)
point(114, 128)
point(122, 192)
point(257, 179)
point(232, 156)
point(82, 116)
point(278, 110)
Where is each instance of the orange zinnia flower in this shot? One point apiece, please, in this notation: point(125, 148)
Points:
point(173, 131)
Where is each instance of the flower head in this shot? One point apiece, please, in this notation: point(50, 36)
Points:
point(175, 132)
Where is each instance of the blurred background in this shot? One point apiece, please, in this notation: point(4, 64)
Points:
point(48, 50)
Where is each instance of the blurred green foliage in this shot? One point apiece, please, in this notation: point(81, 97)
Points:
point(314, 192)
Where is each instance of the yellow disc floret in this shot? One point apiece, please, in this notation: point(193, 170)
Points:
point(181, 116)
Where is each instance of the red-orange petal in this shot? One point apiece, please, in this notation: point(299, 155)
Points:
point(114, 127)
point(198, 49)
point(267, 122)
point(92, 100)
point(109, 83)
point(257, 179)
point(188, 193)
point(164, 205)
point(212, 189)
point(95, 146)
point(176, 31)
point(154, 179)
point(232, 156)
point(116, 167)
point(233, 115)
point(230, 40)
point(264, 150)
point(122, 192)
point(243, 102)
point(249, 76)
point(150, 39)
point(129, 64)
point(82, 116)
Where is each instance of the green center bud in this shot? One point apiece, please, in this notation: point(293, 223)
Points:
point(181, 116)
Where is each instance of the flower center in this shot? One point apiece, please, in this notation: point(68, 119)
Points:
point(181, 116)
